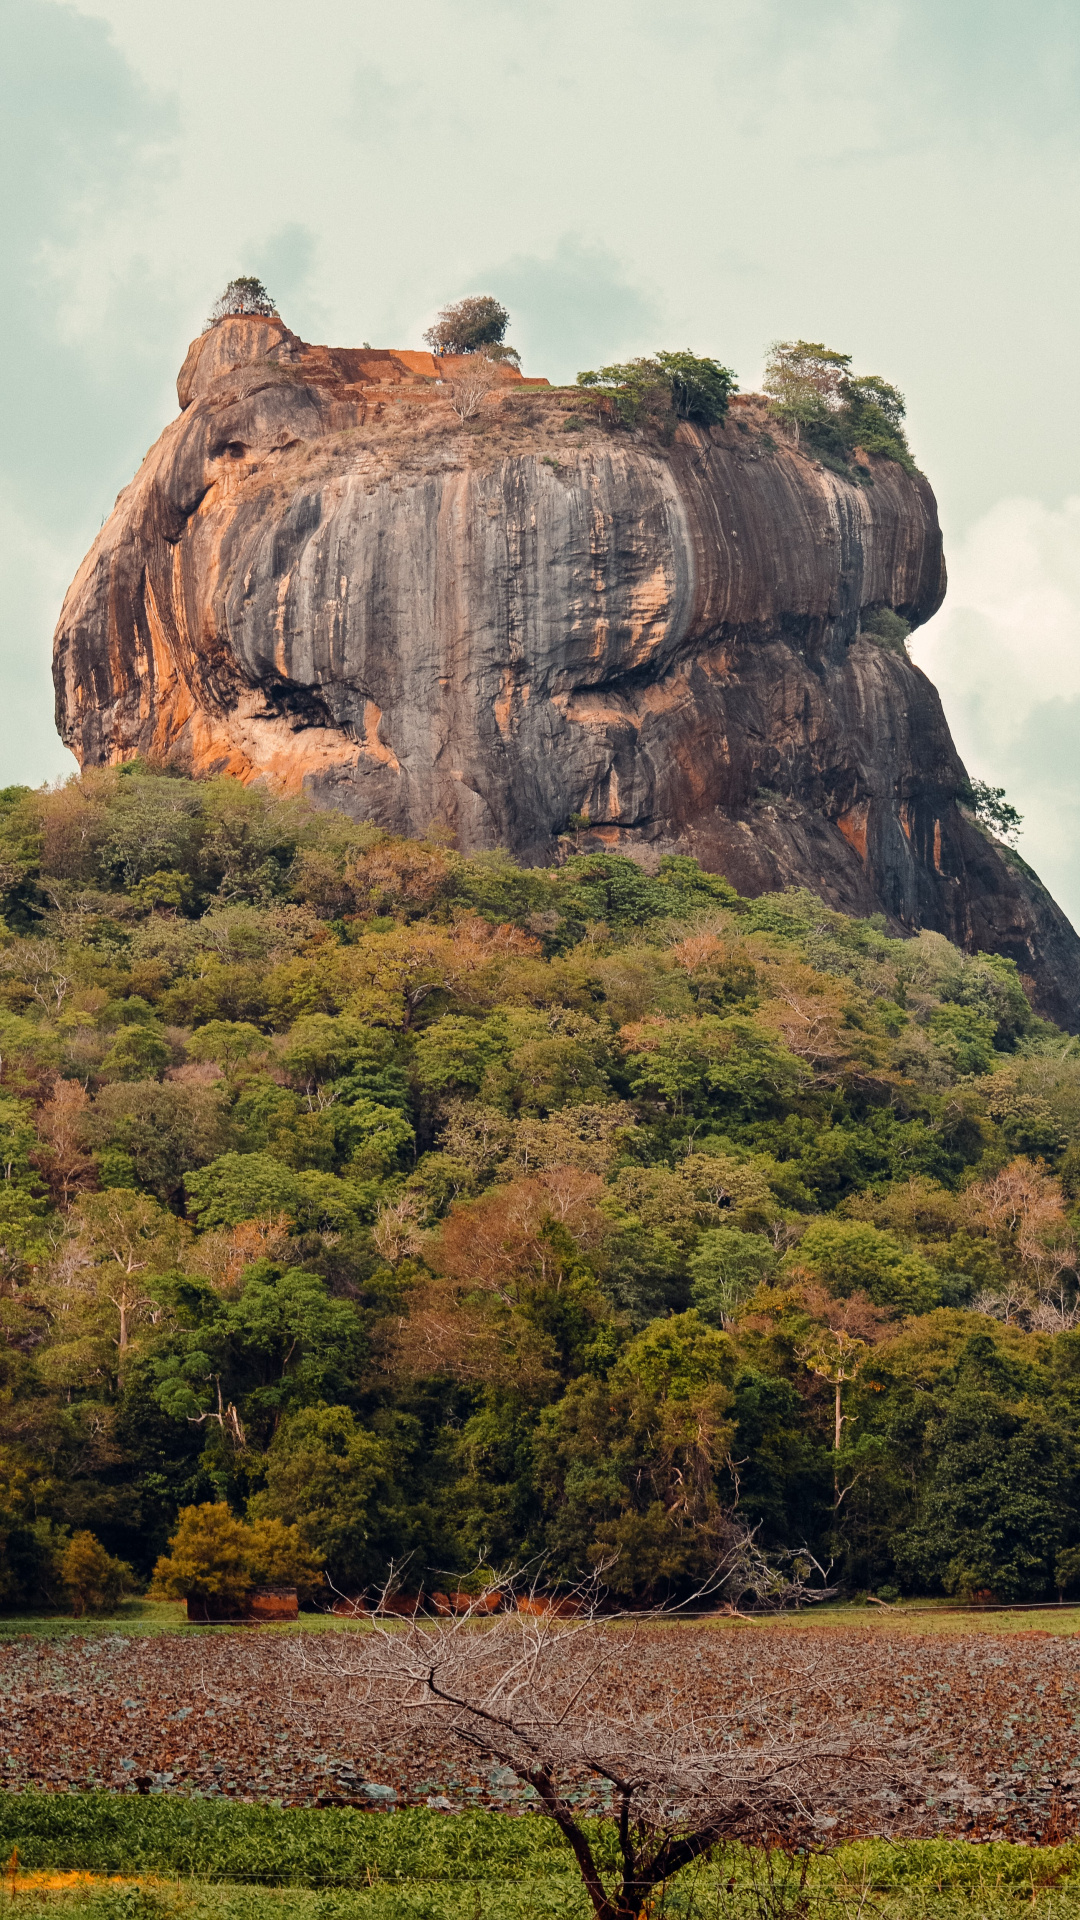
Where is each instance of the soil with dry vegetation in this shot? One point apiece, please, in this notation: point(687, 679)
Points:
point(994, 1721)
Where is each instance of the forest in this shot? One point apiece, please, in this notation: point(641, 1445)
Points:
point(420, 1209)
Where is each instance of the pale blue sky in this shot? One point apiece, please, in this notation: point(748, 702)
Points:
point(898, 179)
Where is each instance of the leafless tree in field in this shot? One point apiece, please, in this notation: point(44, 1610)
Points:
point(774, 1582)
point(469, 386)
point(569, 1703)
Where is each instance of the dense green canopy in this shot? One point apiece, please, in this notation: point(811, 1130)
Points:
point(437, 1208)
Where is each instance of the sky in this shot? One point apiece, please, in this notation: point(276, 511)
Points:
point(896, 177)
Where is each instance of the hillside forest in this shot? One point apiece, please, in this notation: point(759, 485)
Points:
point(411, 1207)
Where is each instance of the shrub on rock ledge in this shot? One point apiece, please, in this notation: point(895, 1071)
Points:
point(243, 296)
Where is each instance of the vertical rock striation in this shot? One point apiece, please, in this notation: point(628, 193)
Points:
point(320, 578)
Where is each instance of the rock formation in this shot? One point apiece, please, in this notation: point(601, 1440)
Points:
point(321, 578)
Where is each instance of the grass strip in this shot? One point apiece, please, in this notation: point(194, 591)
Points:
point(271, 1846)
point(137, 1618)
point(215, 1860)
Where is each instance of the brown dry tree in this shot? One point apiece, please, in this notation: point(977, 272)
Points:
point(566, 1698)
point(470, 385)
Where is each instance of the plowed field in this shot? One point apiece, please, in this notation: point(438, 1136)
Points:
point(994, 1721)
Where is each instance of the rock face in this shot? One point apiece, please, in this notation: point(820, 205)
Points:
point(320, 578)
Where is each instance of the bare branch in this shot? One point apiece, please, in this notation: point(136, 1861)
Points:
point(566, 1700)
point(470, 384)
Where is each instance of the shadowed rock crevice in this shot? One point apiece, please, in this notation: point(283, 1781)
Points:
point(320, 578)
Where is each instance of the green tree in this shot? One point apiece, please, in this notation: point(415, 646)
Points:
point(137, 1053)
point(242, 1186)
point(782, 1480)
point(725, 1268)
point(326, 1475)
point(665, 388)
point(473, 325)
point(248, 842)
point(321, 1048)
point(453, 1054)
point(850, 1256)
point(547, 1063)
point(244, 295)
point(834, 411)
point(149, 825)
point(491, 1495)
point(28, 1540)
point(101, 1290)
point(804, 379)
point(18, 1140)
point(636, 389)
point(164, 1131)
point(888, 628)
point(24, 1236)
point(644, 1270)
point(992, 810)
point(372, 1138)
point(95, 1582)
point(965, 1037)
point(700, 388)
point(628, 1466)
point(612, 888)
point(998, 1505)
point(1067, 1570)
point(166, 888)
point(209, 1559)
point(283, 1341)
point(694, 889)
point(873, 417)
point(711, 1065)
point(229, 1044)
point(292, 1340)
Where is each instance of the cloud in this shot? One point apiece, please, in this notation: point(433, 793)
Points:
point(717, 173)
point(1005, 654)
point(908, 71)
point(34, 571)
point(376, 106)
point(286, 262)
point(81, 387)
point(83, 140)
point(574, 308)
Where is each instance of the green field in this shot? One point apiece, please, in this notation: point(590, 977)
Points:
point(151, 1617)
point(916, 1616)
point(231, 1862)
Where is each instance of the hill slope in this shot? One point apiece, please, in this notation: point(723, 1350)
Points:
point(438, 1207)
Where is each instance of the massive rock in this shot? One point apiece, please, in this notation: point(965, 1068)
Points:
point(321, 578)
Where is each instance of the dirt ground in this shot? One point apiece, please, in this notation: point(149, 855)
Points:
point(994, 1718)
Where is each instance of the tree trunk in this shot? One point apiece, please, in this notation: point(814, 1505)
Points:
point(575, 1839)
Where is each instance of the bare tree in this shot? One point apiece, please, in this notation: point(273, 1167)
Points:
point(40, 966)
point(776, 1582)
point(469, 386)
point(554, 1700)
point(1024, 1209)
point(61, 1156)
